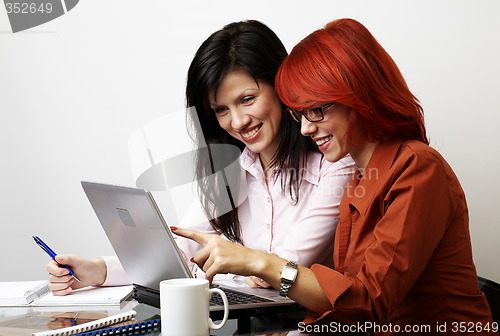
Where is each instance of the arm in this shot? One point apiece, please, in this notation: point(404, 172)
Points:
point(406, 216)
point(100, 271)
point(219, 256)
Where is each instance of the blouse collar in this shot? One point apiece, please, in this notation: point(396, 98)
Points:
point(250, 162)
point(377, 170)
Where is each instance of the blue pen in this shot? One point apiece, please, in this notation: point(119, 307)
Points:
point(52, 254)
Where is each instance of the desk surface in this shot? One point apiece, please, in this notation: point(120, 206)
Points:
point(21, 321)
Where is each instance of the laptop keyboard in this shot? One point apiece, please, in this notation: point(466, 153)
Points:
point(234, 297)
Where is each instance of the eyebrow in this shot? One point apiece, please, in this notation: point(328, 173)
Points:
point(242, 94)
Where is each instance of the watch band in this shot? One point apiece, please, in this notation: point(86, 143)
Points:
point(286, 283)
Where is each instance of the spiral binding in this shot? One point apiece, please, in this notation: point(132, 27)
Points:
point(37, 292)
point(123, 330)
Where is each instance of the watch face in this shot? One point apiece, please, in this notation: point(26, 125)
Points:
point(289, 273)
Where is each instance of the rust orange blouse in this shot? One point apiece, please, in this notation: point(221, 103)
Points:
point(402, 252)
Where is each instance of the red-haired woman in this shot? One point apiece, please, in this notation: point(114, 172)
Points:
point(403, 256)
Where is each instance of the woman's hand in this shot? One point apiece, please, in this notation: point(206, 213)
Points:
point(89, 271)
point(219, 256)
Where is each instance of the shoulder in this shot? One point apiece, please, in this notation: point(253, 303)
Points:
point(423, 170)
point(419, 148)
point(423, 159)
point(417, 151)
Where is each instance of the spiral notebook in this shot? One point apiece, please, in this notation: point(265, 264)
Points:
point(89, 326)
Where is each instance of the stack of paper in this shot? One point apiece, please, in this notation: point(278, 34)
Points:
point(12, 294)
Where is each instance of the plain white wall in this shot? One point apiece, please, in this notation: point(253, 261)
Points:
point(72, 91)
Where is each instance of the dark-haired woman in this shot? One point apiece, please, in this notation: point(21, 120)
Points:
point(402, 252)
point(292, 192)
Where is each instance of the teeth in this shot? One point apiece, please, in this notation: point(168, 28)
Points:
point(252, 132)
point(324, 140)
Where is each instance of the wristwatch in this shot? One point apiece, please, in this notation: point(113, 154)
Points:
point(288, 275)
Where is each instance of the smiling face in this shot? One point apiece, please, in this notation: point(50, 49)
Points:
point(330, 135)
point(249, 111)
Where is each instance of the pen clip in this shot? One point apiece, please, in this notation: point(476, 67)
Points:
point(43, 248)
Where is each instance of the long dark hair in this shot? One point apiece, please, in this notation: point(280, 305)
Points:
point(252, 46)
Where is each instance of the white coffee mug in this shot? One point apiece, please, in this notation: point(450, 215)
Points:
point(184, 305)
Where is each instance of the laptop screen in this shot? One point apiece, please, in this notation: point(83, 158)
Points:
point(138, 233)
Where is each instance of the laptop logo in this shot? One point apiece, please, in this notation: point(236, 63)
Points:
point(125, 217)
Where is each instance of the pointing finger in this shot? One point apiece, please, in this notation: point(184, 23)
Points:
point(199, 237)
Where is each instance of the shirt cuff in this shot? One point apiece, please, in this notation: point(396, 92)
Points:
point(333, 283)
point(115, 274)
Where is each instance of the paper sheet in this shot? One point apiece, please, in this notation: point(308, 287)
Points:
point(12, 294)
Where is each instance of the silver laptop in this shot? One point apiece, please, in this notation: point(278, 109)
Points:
point(148, 252)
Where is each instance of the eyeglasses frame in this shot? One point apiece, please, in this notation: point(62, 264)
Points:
point(298, 114)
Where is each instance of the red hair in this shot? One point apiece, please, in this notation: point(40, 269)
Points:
point(344, 63)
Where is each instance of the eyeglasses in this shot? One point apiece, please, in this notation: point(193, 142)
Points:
point(312, 114)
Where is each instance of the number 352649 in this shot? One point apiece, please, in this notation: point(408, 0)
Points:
point(28, 8)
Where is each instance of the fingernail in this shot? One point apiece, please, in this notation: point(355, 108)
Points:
point(261, 280)
point(173, 228)
point(191, 260)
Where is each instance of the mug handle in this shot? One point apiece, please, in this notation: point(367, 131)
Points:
point(212, 325)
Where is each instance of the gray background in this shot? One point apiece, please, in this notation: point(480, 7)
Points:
point(74, 90)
